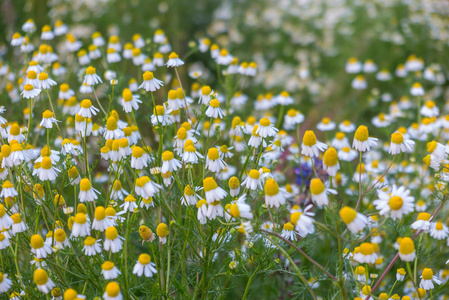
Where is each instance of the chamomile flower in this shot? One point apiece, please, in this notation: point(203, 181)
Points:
point(169, 163)
point(326, 125)
point(45, 82)
point(91, 77)
point(87, 109)
point(129, 101)
point(319, 192)
point(139, 158)
point(417, 89)
point(362, 142)
point(162, 232)
point(353, 66)
point(253, 181)
point(311, 147)
point(43, 282)
point(212, 191)
point(112, 291)
point(5, 283)
point(47, 171)
point(429, 109)
point(407, 251)
point(19, 225)
point(161, 116)
point(422, 222)
point(399, 144)
point(150, 83)
point(427, 279)
point(87, 192)
point(113, 242)
point(48, 120)
point(101, 221)
point(191, 155)
point(359, 83)
point(240, 209)
point(109, 270)
point(214, 162)
point(330, 162)
point(112, 130)
point(288, 232)
point(38, 247)
point(303, 221)
point(174, 60)
point(274, 197)
point(439, 231)
point(81, 225)
point(355, 221)
point(91, 246)
point(266, 128)
point(366, 254)
point(396, 203)
point(8, 190)
point(29, 91)
point(144, 266)
point(214, 110)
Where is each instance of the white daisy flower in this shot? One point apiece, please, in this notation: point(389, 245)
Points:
point(396, 203)
point(174, 61)
point(144, 266)
point(311, 147)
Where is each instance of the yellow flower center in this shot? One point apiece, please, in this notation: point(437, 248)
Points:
point(181, 134)
point(427, 274)
point(60, 235)
point(366, 249)
point(395, 202)
point(397, 138)
point(89, 241)
point(439, 226)
point(330, 157)
point(348, 214)
point(209, 184)
point(423, 216)
point(406, 246)
point(91, 70)
point(294, 217)
point(137, 151)
point(111, 124)
point(144, 259)
point(173, 55)
point(37, 241)
point(234, 211)
point(234, 182)
point(265, 122)
point(361, 134)
point(107, 265)
point(85, 184)
point(316, 186)
point(46, 163)
point(40, 277)
point(111, 233)
point(288, 226)
point(271, 187)
point(162, 230)
point(100, 213)
point(431, 146)
point(309, 138)
point(80, 218)
point(167, 155)
point(127, 95)
point(113, 289)
point(254, 174)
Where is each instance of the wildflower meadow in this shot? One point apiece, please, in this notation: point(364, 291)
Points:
point(203, 149)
